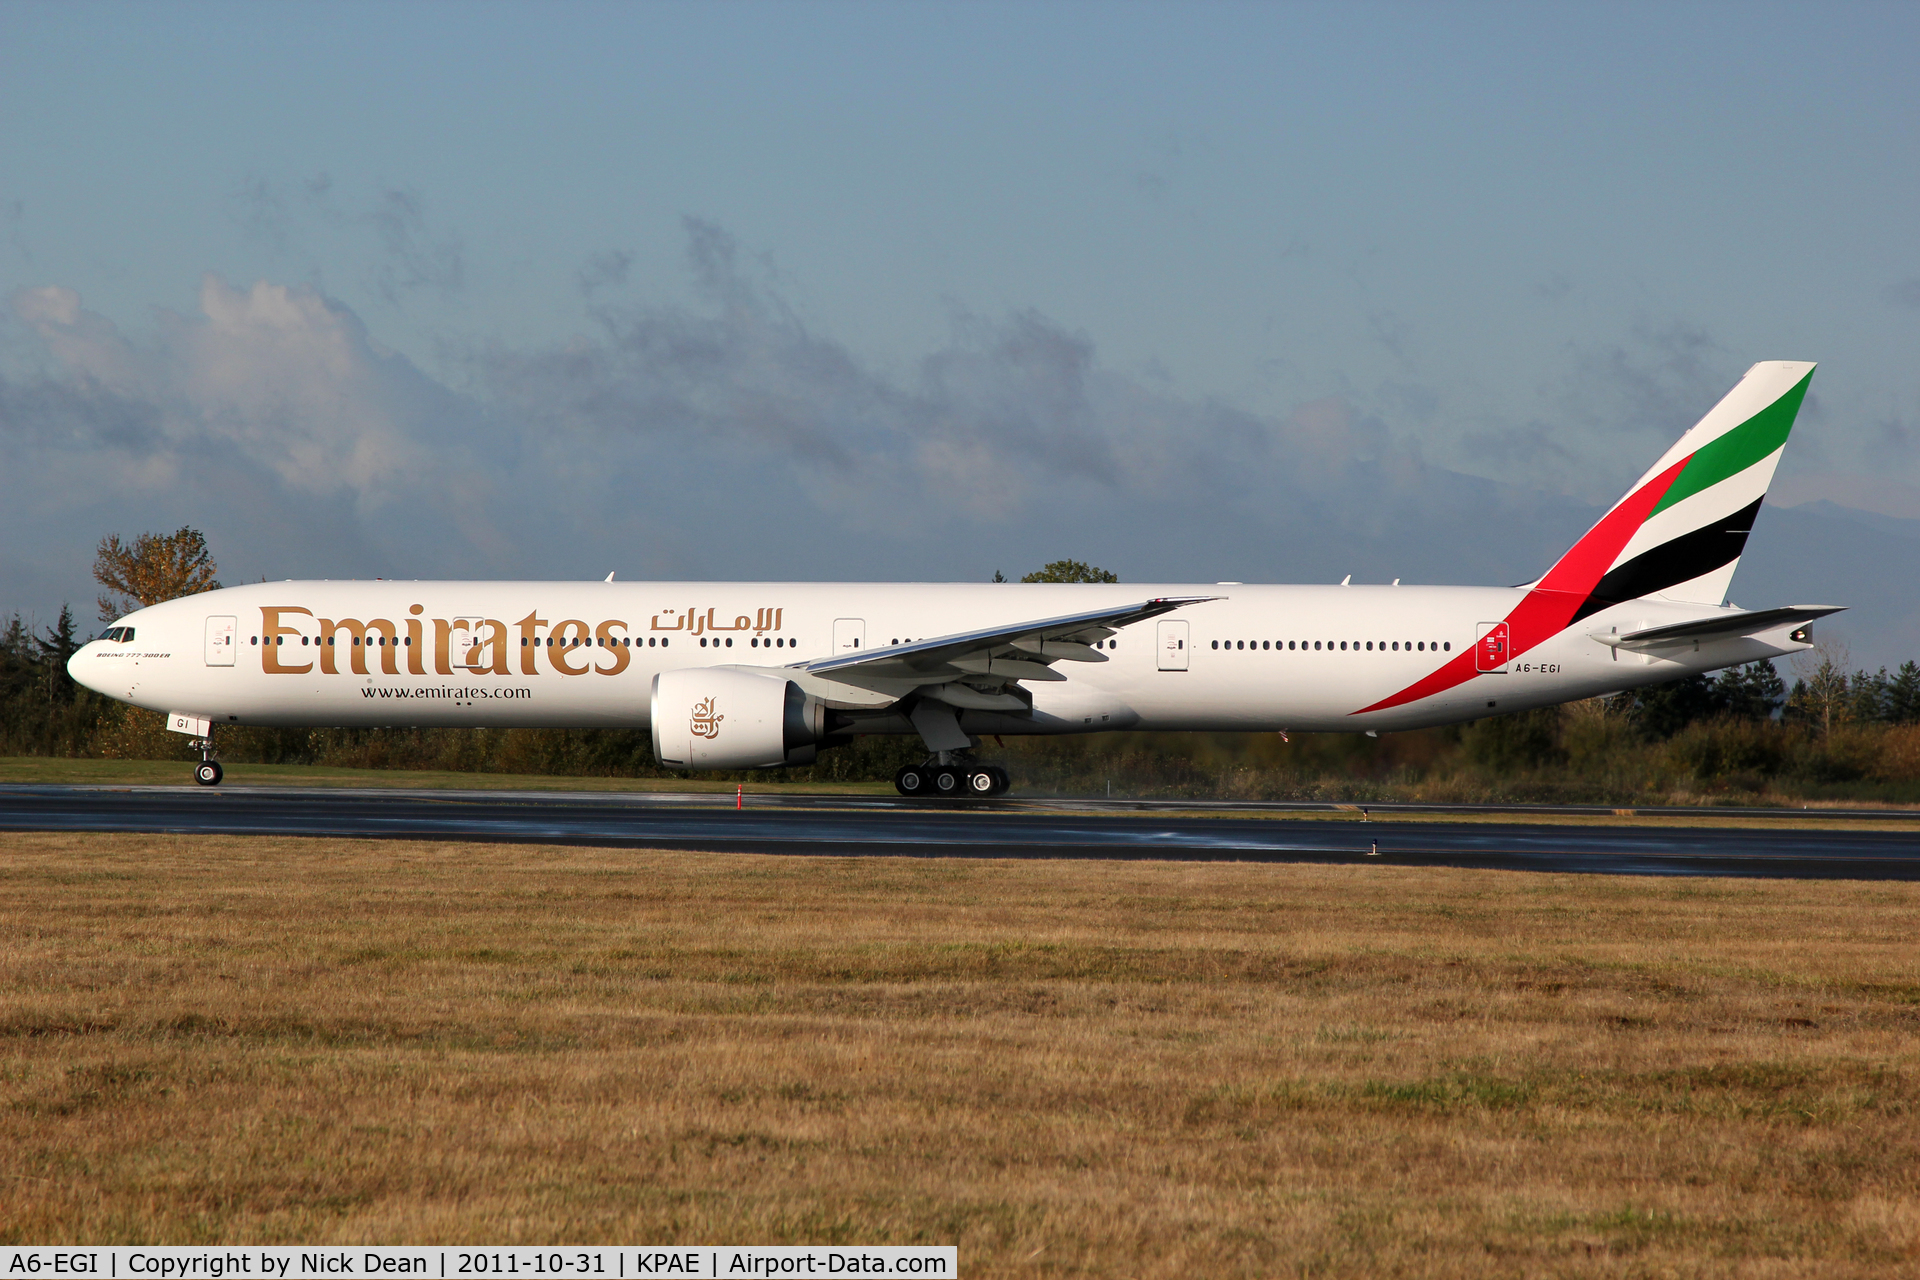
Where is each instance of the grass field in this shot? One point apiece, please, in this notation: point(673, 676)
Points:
point(1067, 1069)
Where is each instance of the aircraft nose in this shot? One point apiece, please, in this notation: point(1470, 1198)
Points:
point(76, 669)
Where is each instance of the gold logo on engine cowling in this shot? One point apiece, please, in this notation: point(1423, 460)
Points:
point(706, 721)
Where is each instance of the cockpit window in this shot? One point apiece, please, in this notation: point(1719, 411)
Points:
point(120, 635)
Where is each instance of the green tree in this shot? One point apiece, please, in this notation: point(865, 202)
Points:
point(1662, 710)
point(1903, 694)
point(152, 568)
point(1070, 571)
point(1822, 697)
point(1752, 692)
point(55, 647)
point(1867, 696)
point(1515, 743)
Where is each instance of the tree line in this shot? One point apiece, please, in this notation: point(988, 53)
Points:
point(1743, 733)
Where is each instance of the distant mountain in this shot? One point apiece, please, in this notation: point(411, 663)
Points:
point(1824, 553)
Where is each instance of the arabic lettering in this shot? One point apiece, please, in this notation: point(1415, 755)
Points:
point(705, 722)
point(696, 623)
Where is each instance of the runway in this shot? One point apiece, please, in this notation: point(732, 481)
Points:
point(876, 826)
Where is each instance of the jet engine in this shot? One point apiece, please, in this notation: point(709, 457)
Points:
point(727, 718)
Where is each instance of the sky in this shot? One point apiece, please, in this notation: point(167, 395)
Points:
point(923, 291)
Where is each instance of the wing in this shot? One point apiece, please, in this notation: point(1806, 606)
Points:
point(1725, 626)
point(993, 656)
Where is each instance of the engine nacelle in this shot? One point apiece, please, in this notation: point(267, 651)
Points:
point(726, 718)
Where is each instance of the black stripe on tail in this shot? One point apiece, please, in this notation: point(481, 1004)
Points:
point(1675, 561)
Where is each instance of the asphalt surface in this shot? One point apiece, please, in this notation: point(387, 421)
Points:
point(862, 826)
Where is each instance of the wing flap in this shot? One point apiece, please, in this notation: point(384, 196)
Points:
point(999, 656)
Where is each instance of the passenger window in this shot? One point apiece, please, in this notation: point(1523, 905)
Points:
point(1449, 646)
point(1216, 644)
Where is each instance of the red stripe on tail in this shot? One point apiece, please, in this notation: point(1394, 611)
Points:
point(1546, 610)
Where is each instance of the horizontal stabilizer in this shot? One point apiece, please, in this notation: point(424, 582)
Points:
point(1730, 625)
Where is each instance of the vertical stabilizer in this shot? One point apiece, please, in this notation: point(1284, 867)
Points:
point(1679, 532)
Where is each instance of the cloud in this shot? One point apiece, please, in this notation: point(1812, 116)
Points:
point(417, 257)
point(411, 254)
point(12, 214)
point(604, 270)
point(267, 417)
point(1657, 382)
point(1554, 288)
point(259, 209)
point(1615, 407)
point(724, 438)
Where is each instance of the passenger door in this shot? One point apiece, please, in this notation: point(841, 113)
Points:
point(849, 635)
point(1171, 643)
point(220, 636)
point(1490, 653)
point(472, 644)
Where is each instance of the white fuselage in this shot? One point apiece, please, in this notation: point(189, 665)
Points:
point(563, 654)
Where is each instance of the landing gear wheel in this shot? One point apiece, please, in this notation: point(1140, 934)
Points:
point(1001, 782)
point(910, 781)
point(983, 783)
point(207, 773)
point(948, 780)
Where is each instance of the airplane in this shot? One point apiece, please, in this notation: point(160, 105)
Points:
point(760, 675)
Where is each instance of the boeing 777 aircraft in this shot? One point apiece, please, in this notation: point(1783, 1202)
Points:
point(737, 675)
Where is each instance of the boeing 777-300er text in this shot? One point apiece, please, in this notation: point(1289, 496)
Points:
point(736, 675)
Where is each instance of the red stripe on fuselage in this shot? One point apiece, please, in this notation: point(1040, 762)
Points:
point(1546, 610)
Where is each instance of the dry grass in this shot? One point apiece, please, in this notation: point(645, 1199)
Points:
point(1064, 1068)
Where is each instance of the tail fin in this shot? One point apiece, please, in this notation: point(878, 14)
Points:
point(1679, 532)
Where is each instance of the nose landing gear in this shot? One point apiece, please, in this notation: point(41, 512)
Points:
point(949, 775)
point(208, 772)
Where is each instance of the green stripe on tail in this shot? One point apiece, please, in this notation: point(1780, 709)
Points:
point(1738, 449)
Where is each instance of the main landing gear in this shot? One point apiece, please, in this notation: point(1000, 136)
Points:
point(949, 777)
point(208, 772)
